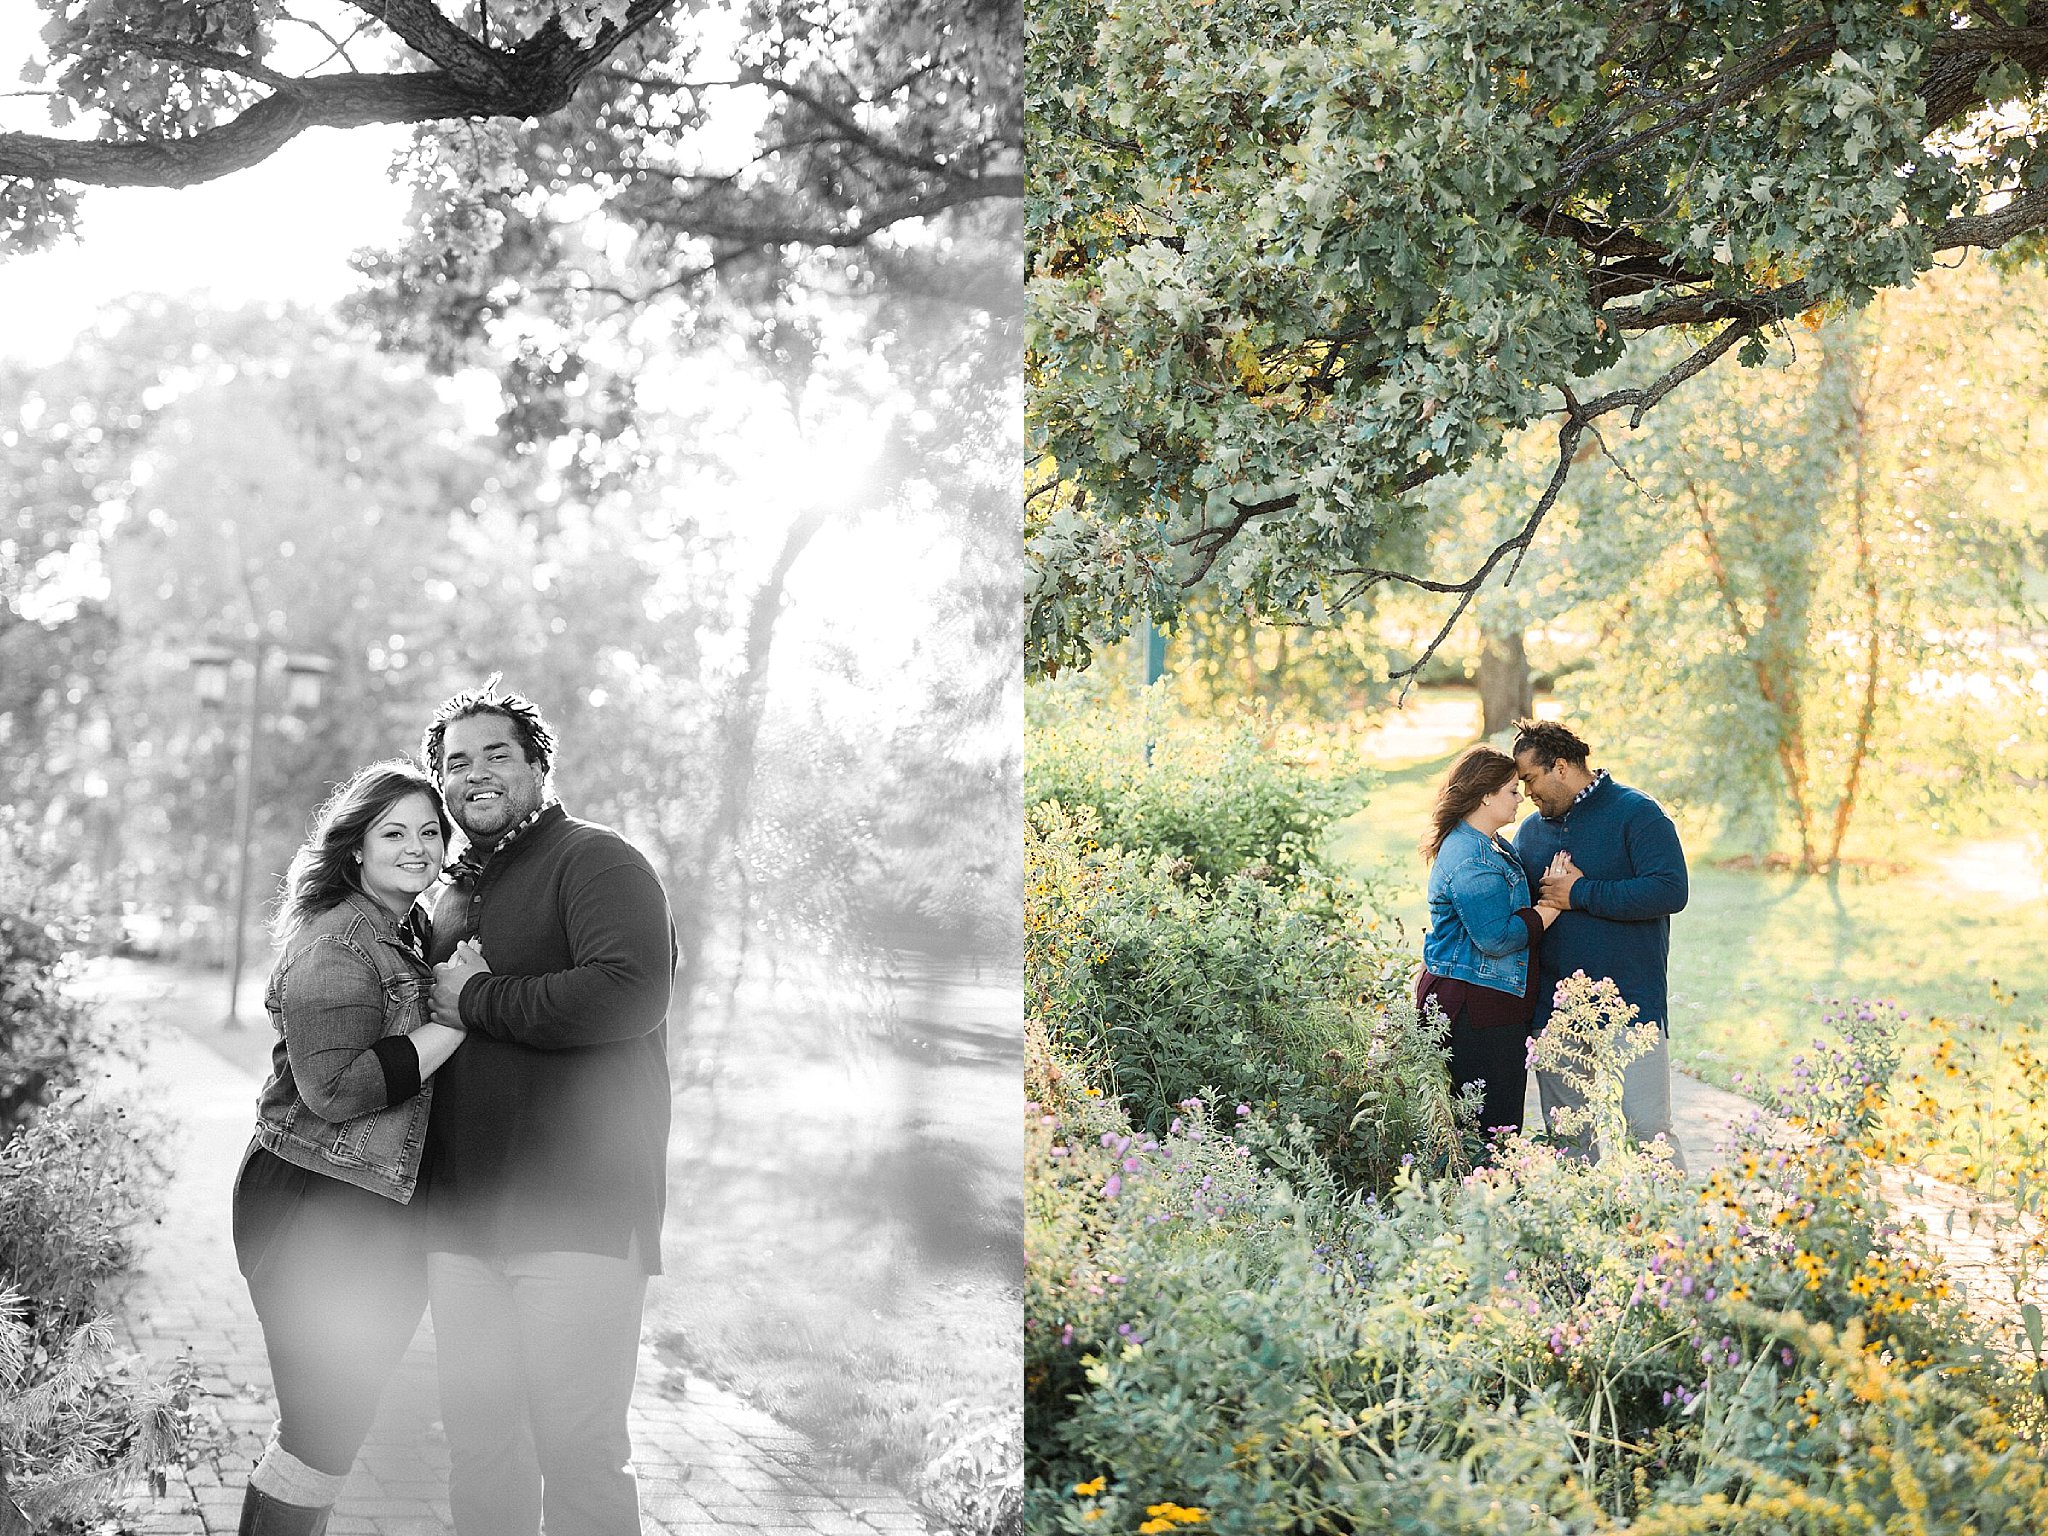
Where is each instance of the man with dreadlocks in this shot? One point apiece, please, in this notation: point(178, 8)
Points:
point(546, 1155)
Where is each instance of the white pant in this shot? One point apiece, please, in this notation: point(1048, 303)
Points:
point(537, 1354)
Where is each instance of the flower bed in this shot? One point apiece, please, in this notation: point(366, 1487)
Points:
point(1542, 1344)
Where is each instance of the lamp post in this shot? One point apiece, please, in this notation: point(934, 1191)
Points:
point(1153, 644)
point(305, 675)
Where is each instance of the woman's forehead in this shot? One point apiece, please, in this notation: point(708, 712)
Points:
point(413, 807)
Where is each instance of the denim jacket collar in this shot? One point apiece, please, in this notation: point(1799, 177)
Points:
point(407, 934)
point(374, 910)
point(1465, 829)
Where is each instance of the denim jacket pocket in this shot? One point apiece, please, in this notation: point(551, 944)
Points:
point(404, 1005)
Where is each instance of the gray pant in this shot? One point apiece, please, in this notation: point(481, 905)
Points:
point(1645, 1100)
point(537, 1354)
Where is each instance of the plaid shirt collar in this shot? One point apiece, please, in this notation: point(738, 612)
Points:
point(1599, 778)
point(470, 863)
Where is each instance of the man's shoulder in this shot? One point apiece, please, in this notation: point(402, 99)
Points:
point(1632, 803)
point(591, 844)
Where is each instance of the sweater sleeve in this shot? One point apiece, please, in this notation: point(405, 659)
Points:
point(342, 1064)
point(1658, 887)
point(617, 984)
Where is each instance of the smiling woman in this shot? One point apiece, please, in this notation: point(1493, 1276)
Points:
point(401, 854)
point(325, 1217)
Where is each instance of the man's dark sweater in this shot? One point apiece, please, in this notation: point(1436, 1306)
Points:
point(1632, 878)
point(549, 1130)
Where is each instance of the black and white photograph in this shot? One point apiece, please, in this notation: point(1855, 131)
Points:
point(510, 767)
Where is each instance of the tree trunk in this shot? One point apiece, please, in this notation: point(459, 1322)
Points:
point(1776, 684)
point(739, 728)
point(1857, 422)
point(1506, 691)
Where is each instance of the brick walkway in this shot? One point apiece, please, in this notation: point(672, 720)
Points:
point(705, 1459)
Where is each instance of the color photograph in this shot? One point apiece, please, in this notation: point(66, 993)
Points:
point(1536, 736)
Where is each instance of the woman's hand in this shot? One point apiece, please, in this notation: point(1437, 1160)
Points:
point(1546, 913)
point(1558, 881)
point(451, 976)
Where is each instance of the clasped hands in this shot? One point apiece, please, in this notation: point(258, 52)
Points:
point(1558, 880)
point(451, 976)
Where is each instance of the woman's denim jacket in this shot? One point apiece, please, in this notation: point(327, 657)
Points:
point(1475, 889)
point(347, 979)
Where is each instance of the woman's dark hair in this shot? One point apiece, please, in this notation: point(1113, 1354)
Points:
point(535, 739)
point(1549, 743)
point(324, 869)
point(1477, 773)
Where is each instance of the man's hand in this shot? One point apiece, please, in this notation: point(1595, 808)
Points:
point(450, 976)
point(1558, 881)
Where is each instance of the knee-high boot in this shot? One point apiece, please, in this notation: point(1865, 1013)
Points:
point(263, 1515)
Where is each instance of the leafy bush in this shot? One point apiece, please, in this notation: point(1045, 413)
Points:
point(975, 1482)
point(79, 1420)
point(1289, 1004)
point(1206, 794)
point(75, 1176)
point(45, 1033)
point(1972, 1112)
point(73, 1183)
point(1543, 1344)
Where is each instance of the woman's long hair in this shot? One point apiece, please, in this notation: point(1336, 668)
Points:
point(324, 870)
point(1477, 773)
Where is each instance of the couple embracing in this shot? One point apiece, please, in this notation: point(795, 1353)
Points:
point(1589, 883)
point(468, 1104)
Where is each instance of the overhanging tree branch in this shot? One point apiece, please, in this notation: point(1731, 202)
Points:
point(534, 79)
point(468, 61)
point(1578, 420)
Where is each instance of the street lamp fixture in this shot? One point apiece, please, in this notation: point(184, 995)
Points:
point(305, 675)
point(210, 665)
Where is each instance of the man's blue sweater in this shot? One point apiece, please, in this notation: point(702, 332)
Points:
point(1632, 880)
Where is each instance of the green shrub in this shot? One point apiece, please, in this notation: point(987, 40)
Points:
point(1209, 796)
point(74, 1181)
point(75, 1177)
point(1289, 1004)
point(1542, 1345)
point(80, 1421)
point(45, 1033)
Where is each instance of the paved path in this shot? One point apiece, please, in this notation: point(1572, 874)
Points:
point(705, 1459)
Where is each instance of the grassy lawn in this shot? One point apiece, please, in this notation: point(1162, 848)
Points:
point(1755, 955)
point(845, 1213)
